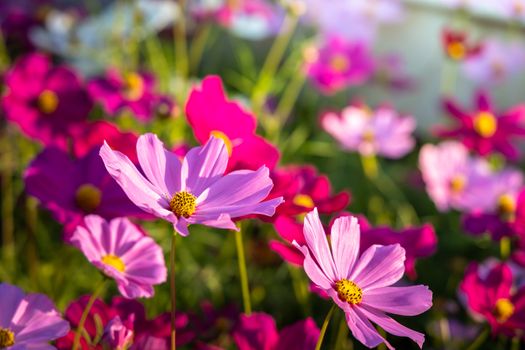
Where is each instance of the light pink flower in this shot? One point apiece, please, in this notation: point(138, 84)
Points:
point(121, 251)
point(381, 132)
point(362, 285)
point(195, 191)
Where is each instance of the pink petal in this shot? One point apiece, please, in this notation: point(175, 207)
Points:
point(11, 298)
point(363, 330)
point(406, 301)
point(314, 272)
point(345, 244)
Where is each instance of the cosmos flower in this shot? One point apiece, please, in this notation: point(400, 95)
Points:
point(17, 20)
point(132, 313)
point(210, 113)
point(454, 180)
point(381, 132)
point(490, 293)
point(72, 188)
point(258, 331)
point(28, 321)
point(194, 191)
point(118, 335)
point(483, 129)
point(45, 100)
point(497, 62)
point(133, 91)
point(362, 285)
point(122, 251)
point(457, 45)
point(338, 64)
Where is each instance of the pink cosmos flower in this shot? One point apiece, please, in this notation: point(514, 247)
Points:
point(391, 72)
point(119, 335)
point(134, 91)
point(28, 321)
point(121, 251)
point(72, 188)
point(194, 191)
point(382, 132)
point(339, 63)
point(45, 100)
point(497, 62)
point(362, 285)
point(259, 332)
point(209, 112)
point(484, 130)
point(490, 294)
point(455, 180)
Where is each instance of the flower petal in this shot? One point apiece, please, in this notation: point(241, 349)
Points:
point(314, 272)
point(345, 244)
point(406, 301)
point(363, 330)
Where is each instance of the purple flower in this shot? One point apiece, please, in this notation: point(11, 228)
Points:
point(259, 332)
point(381, 132)
point(122, 251)
point(195, 191)
point(45, 100)
point(338, 64)
point(362, 285)
point(119, 335)
point(28, 321)
point(72, 188)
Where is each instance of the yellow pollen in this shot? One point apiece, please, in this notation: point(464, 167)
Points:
point(225, 138)
point(456, 50)
point(503, 310)
point(339, 63)
point(133, 86)
point(458, 183)
point(303, 200)
point(349, 291)
point(485, 124)
point(507, 207)
point(368, 136)
point(183, 204)
point(7, 338)
point(47, 101)
point(88, 198)
point(115, 262)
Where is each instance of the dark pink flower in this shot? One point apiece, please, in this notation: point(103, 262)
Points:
point(491, 294)
point(45, 101)
point(210, 113)
point(259, 332)
point(484, 130)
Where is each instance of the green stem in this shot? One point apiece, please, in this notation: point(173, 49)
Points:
point(243, 273)
point(504, 247)
point(83, 318)
point(197, 47)
point(324, 327)
point(342, 333)
point(300, 288)
point(370, 167)
point(290, 95)
point(479, 340)
point(8, 224)
point(181, 46)
point(173, 293)
point(32, 255)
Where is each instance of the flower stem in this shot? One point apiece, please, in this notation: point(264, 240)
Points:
point(479, 340)
point(504, 248)
point(85, 313)
point(370, 166)
point(173, 293)
point(181, 47)
point(324, 327)
point(243, 273)
point(198, 46)
point(7, 201)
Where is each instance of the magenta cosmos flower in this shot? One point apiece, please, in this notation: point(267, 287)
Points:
point(28, 321)
point(194, 191)
point(72, 188)
point(455, 180)
point(484, 130)
point(362, 285)
point(338, 64)
point(381, 132)
point(122, 251)
point(45, 100)
point(210, 113)
point(134, 91)
point(491, 294)
point(259, 332)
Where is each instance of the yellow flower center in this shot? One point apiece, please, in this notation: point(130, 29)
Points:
point(456, 50)
point(458, 183)
point(133, 86)
point(303, 200)
point(339, 63)
point(47, 101)
point(7, 338)
point(349, 291)
point(504, 310)
point(88, 198)
point(183, 204)
point(368, 136)
point(115, 262)
point(485, 124)
point(506, 207)
point(225, 138)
